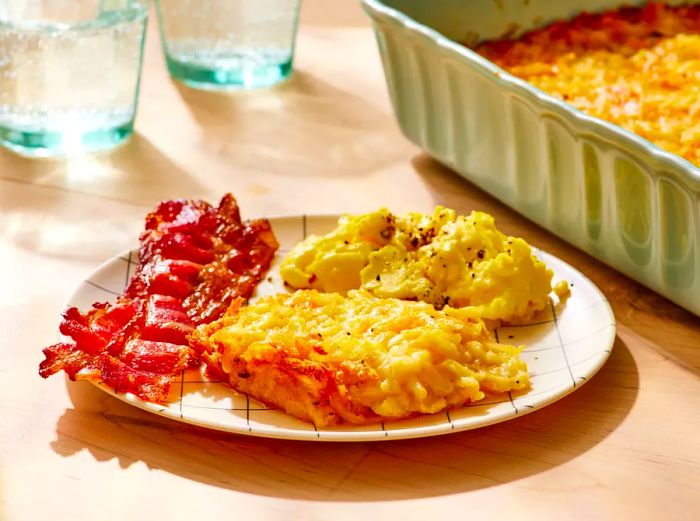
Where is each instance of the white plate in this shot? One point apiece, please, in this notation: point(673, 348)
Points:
point(566, 346)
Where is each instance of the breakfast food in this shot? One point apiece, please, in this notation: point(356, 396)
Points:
point(635, 67)
point(396, 323)
point(442, 259)
point(328, 358)
point(194, 260)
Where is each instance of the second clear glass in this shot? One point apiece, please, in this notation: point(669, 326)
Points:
point(228, 44)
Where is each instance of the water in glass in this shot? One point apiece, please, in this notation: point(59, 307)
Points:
point(228, 43)
point(69, 73)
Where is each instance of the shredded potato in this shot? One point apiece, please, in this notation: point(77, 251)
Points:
point(328, 358)
point(636, 67)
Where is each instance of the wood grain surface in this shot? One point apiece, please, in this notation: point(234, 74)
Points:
point(624, 446)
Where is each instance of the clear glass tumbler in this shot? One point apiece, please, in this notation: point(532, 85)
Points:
point(224, 44)
point(69, 73)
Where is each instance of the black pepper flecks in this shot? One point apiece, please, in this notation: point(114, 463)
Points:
point(387, 233)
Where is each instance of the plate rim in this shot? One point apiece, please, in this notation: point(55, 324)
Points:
point(337, 435)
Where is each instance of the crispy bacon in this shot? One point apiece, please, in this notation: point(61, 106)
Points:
point(194, 260)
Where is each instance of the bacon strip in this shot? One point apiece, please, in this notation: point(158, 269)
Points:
point(194, 260)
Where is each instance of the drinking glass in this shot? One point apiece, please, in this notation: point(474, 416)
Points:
point(69, 73)
point(223, 44)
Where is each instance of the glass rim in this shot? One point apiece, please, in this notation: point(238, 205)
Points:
point(134, 10)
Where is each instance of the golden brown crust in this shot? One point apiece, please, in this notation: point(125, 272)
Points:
point(329, 359)
point(313, 391)
point(304, 389)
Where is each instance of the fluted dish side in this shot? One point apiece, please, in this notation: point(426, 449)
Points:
point(604, 189)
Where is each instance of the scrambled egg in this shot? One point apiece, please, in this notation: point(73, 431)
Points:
point(327, 358)
point(442, 259)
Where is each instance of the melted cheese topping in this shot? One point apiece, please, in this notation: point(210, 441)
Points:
point(638, 68)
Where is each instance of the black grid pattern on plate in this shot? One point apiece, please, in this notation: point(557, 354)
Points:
point(510, 396)
point(561, 343)
point(102, 288)
point(131, 260)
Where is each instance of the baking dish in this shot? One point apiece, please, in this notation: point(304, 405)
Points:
point(608, 191)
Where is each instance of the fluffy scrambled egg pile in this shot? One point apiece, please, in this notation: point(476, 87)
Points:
point(327, 358)
point(442, 259)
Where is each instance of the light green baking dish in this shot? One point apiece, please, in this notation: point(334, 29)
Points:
point(608, 191)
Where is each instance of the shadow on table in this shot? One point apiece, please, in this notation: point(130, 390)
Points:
point(276, 127)
point(45, 218)
point(136, 172)
point(668, 327)
point(109, 428)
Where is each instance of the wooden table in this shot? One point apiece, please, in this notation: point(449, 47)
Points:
point(624, 446)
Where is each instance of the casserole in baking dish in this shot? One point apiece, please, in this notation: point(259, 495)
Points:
point(604, 189)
